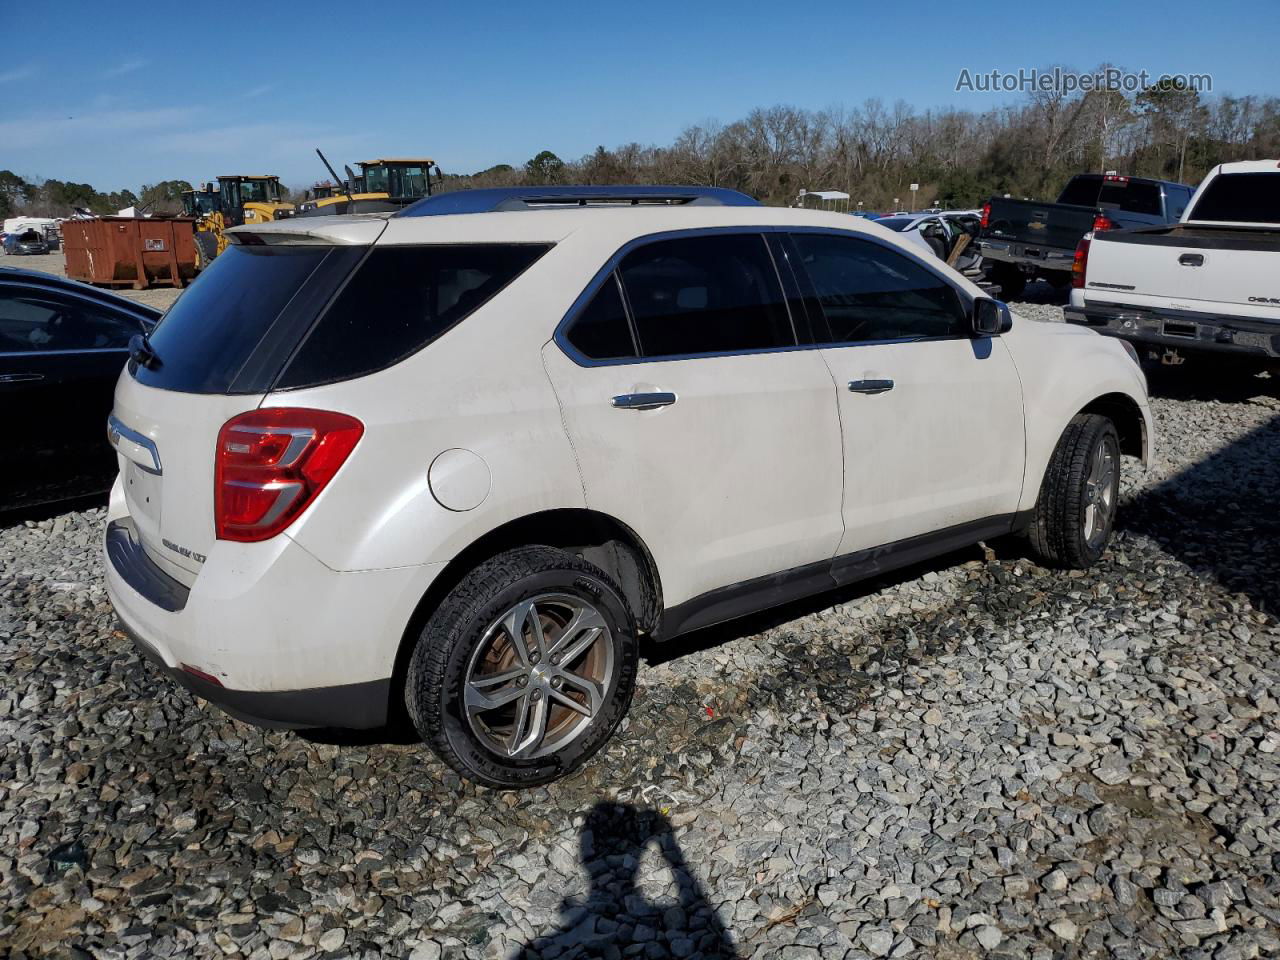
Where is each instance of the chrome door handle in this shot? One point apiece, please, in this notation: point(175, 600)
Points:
point(20, 377)
point(643, 401)
point(870, 386)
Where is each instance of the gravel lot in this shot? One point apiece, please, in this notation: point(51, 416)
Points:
point(976, 758)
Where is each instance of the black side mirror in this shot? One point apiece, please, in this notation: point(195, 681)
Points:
point(990, 318)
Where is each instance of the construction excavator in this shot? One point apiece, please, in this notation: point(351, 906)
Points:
point(239, 199)
point(382, 185)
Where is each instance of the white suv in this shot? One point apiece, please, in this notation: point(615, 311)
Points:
point(460, 458)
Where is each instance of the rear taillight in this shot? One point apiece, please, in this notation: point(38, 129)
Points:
point(272, 463)
point(1102, 222)
point(1080, 262)
point(986, 215)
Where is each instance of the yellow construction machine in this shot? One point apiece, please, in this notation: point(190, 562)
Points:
point(239, 199)
point(381, 185)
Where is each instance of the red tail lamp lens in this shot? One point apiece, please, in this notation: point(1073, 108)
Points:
point(271, 464)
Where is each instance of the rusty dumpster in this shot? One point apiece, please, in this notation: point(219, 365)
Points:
point(137, 252)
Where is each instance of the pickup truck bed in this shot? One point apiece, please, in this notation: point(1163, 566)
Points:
point(1185, 288)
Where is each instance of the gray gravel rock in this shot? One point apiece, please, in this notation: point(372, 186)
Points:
point(978, 755)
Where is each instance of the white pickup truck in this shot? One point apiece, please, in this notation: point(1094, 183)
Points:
point(1209, 284)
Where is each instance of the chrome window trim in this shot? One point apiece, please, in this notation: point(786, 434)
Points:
point(561, 339)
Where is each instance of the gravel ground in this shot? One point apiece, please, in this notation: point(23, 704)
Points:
point(978, 757)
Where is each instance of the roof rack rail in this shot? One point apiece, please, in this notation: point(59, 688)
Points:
point(494, 199)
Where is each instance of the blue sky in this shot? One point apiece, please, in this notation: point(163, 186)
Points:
point(115, 96)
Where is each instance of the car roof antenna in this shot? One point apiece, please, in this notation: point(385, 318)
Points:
point(337, 179)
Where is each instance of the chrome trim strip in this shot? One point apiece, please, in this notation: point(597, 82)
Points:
point(118, 435)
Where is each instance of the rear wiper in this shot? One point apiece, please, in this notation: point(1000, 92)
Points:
point(142, 353)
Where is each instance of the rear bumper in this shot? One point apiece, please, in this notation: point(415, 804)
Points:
point(356, 706)
point(278, 639)
point(1026, 256)
point(1181, 329)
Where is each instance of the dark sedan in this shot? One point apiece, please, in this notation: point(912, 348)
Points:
point(62, 346)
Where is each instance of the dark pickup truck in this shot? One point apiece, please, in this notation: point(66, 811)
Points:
point(1023, 239)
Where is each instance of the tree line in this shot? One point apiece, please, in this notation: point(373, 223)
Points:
point(958, 157)
point(61, 198)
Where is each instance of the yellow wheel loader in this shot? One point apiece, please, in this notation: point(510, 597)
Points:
point(240, 199)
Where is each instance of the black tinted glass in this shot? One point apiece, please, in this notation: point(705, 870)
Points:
point(400, 299)
point(213, 329)
point(32, 322)
point(1131, 196)
point(708, 294)
point(1082, 190)
point(1241, 198)
point(601, 331)
point(869, 292)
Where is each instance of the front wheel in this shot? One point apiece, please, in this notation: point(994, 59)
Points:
point(1076, 509)
point(1010, 279)
point(526, 668)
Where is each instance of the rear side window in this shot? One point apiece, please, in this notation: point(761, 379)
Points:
point(400, 299)
point(216, 326)
point(1240, 198)
point(871, 293)
point(602, 330)
point(717, 293)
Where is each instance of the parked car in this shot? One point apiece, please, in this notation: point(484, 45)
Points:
point(938, 233)
point(1025, 239)
point(1206, 287)
point(462, 457)
point(926, 231)
point(62, 347)
point(26, 242)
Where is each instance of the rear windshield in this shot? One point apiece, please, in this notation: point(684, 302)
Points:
point(215, 328)
point(1240, 198)
point(1132, 196)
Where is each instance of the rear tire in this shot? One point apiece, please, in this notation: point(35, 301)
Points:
point(511, 713)
point(1011, 280)
point(1076, 509)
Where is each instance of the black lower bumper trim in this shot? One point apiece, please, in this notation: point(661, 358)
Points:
point(139, 571)
point(1182, 329)
point(350, 706)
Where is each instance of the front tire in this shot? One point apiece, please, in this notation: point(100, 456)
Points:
point(1011, 280)
point(525, 669)
point(1076, 509)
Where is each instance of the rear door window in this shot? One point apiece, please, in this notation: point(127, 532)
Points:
point(399, 300)
point(716, 293)
point(1240, 198)
point(870, 293)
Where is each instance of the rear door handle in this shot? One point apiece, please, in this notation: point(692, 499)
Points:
point(643, 401)
point(20, 377)
point(1192, 259)
point(870, 386)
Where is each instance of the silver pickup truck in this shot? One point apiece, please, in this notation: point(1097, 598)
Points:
point(1209, 284)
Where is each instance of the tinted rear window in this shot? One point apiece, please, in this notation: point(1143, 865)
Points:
point(1082, 191)
point(400, 299)
point(1240, 198)
point(1132, 196)
point(214, 329)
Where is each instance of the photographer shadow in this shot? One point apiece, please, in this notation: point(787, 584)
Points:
point(616, 912)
